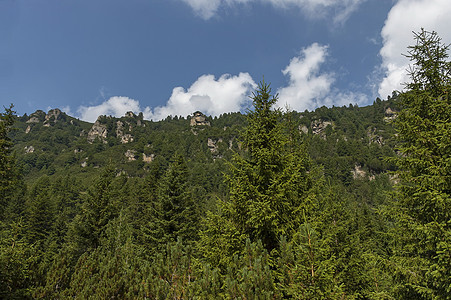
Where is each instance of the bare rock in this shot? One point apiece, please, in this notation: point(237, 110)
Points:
point(319, 127)
point(213, 144)
point(358, 172)
point(390, 115)
point(125, 137)
point(97, 130)
point(37, 117)
point(148, 159)
point(199, 119)
point(131, 155)
point(29, 149)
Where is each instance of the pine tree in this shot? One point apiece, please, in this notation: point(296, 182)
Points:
point(423, 199)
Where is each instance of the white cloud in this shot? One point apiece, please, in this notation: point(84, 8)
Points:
point(205, 8)
point(340, 9)
point(308, 88)
point(404, 17)
point(211, 96)
point(115, 106)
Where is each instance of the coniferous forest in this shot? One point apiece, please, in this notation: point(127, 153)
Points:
point(337, 203)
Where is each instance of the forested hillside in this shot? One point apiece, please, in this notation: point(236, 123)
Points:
point(337, 203)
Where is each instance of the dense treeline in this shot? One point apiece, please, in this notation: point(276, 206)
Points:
point(276, 205)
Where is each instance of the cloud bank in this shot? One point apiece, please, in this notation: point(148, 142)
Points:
point(212, 97)
point(115, 106)
point(207, 94)
point(404, 17)
point(340, 9)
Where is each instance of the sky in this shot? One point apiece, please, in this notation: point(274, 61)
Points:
point(174, 57)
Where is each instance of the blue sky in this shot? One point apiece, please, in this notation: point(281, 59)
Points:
point(172, 57)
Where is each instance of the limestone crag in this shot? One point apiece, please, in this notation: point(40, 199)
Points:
point(97, 130)
point(319, 127)
point(390, 115)
point(125, 137)
point(358, 172)
point(148, 158)
point(199, 119)
point(131, 155)
point(54, 115)
point(37, 117)
point(213, 144)
point(29, 149)
point(374, 138)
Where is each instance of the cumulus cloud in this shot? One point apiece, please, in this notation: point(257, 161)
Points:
point(209, 95)
point(115, 106)
point(213, 97)
point(308, 88)
point(404, 17)
point(341, 9)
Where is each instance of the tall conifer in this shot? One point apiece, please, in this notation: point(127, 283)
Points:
point(423, 206)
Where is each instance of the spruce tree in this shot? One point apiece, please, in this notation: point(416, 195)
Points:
point(174, 214)
point(11, 185)
point(423, 199)
point(270, 185)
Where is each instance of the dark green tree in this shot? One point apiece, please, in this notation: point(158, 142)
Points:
point(174, 214)
point(11, 185)
point(423, 198)
point(269, 186)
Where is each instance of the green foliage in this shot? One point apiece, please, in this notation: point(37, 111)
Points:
point(289, 210)
point(423, 198)
point(17, 258)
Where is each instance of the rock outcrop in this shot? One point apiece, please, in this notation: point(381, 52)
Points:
point(29, 149)
point(319, 127)
point(390, 115)
point(54, 115)
point(374, 138)
point(131, 155)
point(37, 117)
point(199, 119)
point(213, 144)
point(148, 158)
point(124, 137)
point(97, 130)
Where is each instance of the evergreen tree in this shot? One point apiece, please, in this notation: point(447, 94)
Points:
point(97, 209)
point(269, 186)
point(11, 185)
point(423, 199)
point(175, 211)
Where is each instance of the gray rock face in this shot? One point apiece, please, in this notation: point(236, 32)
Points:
point(29, 149)
point(97, 131)
point(37, 117)
point(319, 127)
point(213, 144)
point(52, 116)
point(199, 119)
point(125, 137)
point(131, 155)
point(390, 115)
point(148, 158)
